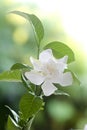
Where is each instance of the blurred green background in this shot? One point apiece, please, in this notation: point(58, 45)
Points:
point(16, 37)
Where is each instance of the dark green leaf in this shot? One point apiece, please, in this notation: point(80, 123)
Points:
point(30, 105)
point(11, 76)
point(60, 49)
point(12, 125)
point(35, 22)
point(4, 112)
point(14, 114)
point(19, 66)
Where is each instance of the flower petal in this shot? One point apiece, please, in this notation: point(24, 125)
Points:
point(45, 55)
point(61, 67)
point(53, 77)
point(61, 63)
point(63, 59)
point(48, 88)
point(34, 77)
point(36, 64)
point(66, 79)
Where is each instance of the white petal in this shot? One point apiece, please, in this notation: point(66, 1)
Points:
point(34, 77)
point(55, 78)
point(48, 88)
point(63, 59)
point(66, 79)
point(85, 128)
point(45, 55)
point(61, 64)
point(36, 64)
point(51, 66)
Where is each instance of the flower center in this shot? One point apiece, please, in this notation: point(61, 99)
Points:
point(50, 69)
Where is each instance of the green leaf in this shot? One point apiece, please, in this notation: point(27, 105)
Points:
point(11, 76)
point(30, 87)
point(30, 105)
point(29, 123)
point(75, 78)
point(35, 22)
point(59, 92)
point(20, 66)
point(60, 49)
point(12, 125)
point(14, 114)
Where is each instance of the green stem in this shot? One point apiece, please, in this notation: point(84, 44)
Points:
point(29, 123)
point(38, 90)
point(38, 51)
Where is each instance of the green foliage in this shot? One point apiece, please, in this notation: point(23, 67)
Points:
point(28, 126)
point(30, 87)
point(59, 92)
point(4, 112)
point(15, 74)
point(14, 114)
point(35, 23)
point(11, 76)
point(75, 78)
point(60, 49)
point(19, 66)
point(30, 105)
point(12, 125)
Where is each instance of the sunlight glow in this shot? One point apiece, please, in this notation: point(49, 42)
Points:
point(22, 1)
point(45, 6)
point(74, 20)
point(72, 14)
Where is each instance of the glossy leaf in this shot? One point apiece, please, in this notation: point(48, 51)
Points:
point(12, 125)
point(14, 114)
point(20, 66)
point(60, 49)
point(30, 105)
point(11, 76)
point(35, 22)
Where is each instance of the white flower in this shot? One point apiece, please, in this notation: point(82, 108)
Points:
point(48, 70)
point(85, 128)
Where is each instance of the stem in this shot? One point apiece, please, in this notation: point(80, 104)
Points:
point(29, 123)
point(38, 51)
point(38, 90)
